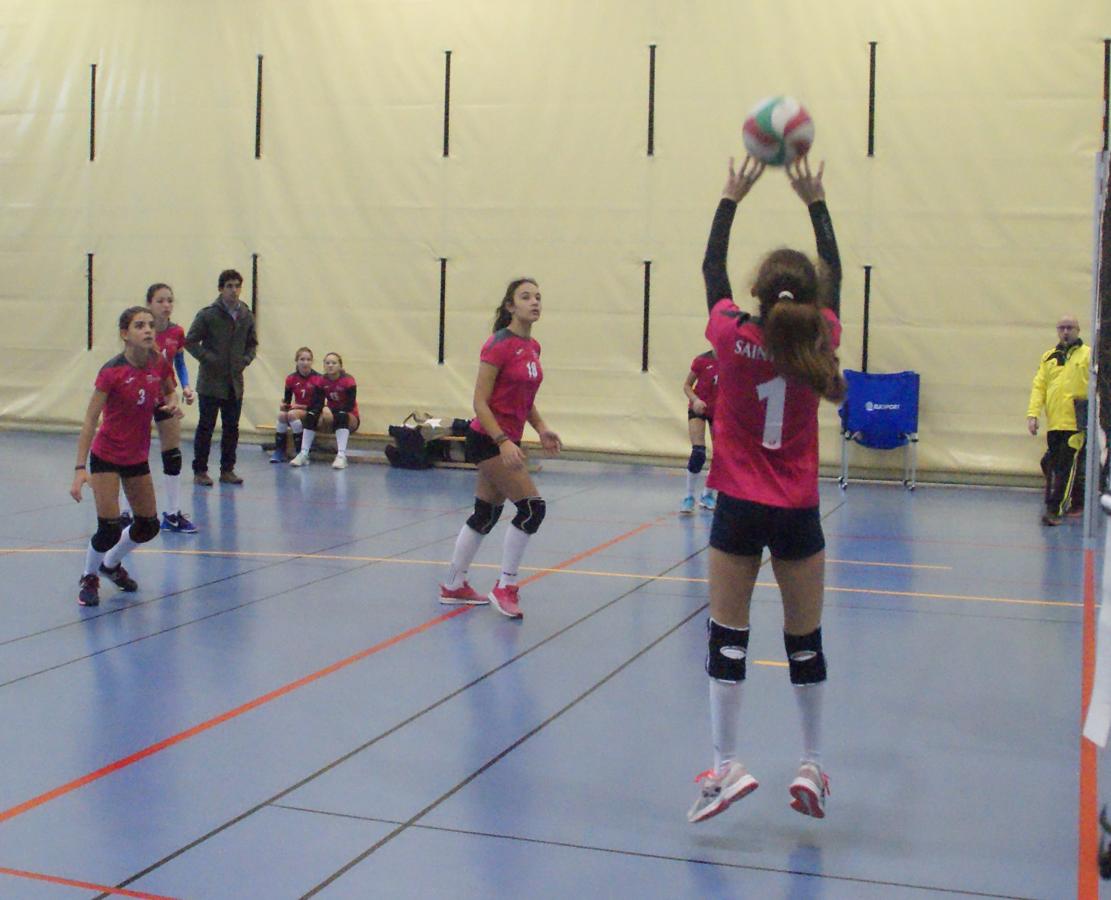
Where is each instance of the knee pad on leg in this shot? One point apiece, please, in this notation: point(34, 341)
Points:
point(340, 420)
point(143, 529)
point(312, 419)
point(805, 657)
point(484, 517)
point(697, 460)
point(530, 513)
point(727, 653)
point(171, 461)
point(107, 535)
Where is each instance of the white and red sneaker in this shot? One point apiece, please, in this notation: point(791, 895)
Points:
point(717, 790)
point(462, 596)
point(809, 791)
point(505, 601)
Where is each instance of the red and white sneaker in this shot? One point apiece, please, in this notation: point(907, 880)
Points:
point(717, 790)
point(809, 791)
point(505, 601)
point(462, 596)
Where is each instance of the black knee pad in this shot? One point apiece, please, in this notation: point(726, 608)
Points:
point(312, 419)
point(143, 529)
point(530, 513)
point(805, 657)
point(171, 461)
point(485, 516)
point(107, 535)
point(697, 460)
point(340, 420)
point(728, 652)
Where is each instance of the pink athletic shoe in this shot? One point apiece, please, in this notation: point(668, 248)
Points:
point(809, 791)
point(505, 600)
point(462, 596)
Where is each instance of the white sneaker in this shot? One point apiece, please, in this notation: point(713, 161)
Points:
point(301, 459)
point(340, 462)
point(719, 789)
point(809, 791)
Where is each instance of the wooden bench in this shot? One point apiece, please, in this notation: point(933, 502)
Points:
point(369, 447)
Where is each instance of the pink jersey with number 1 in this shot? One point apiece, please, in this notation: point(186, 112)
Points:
point(765, 426)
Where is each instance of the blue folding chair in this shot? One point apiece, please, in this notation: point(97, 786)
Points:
point(881, 412)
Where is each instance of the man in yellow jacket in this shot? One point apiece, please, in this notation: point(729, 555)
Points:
point(1061, 389)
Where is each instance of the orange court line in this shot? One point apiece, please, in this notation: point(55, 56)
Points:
point(230, 714)
point(1087, 863)
point(85, 885)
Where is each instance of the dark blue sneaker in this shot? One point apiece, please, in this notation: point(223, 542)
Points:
point(119, 577)
point(177, 523)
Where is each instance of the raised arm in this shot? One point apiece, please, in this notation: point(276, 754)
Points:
point(810, 189)
point(737, 185)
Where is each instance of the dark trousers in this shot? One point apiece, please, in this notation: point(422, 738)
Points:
point(1063, 467)
point(229, 411)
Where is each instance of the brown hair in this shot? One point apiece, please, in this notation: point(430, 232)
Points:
point(342, 372)
point(301, 350)
point(791, 290)
point(503, 316)
point(129, 314)
point(155, 288)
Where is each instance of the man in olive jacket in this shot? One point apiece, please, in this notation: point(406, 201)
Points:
point(222, 337)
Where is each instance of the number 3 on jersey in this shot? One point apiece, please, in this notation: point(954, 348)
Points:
point(774, 393)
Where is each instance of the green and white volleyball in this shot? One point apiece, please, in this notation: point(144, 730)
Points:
point(778, 130)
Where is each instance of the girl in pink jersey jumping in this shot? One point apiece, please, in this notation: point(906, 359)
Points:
point(509, 376)
point(129, 388)
point(773, 370)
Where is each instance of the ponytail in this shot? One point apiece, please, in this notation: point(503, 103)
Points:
point(798, 340)
point(796, 333)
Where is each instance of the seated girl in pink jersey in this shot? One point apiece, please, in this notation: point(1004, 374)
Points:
point(509, 376)
point(773, 370)
point(701, 388)
point(129, 388)
point(333, 408)
point(299, 391)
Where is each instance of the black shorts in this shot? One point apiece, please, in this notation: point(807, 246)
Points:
point(161, 414)
point(744, 528)
point(480, 447)
point(98, 465)
point(691, 414)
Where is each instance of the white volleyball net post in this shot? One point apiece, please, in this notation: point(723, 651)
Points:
point(1097, 724)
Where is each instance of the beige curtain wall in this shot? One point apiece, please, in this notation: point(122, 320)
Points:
point(975, 211)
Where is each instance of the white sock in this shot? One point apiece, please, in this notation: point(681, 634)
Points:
point(281, 427)
point(123, 546)
point(93, 558)
point(692, 482)
point(342, 434)
point(297, 426)
point(466, 546)
point(512, 551)
point(725, 715)
point(306, 441)
point(809, 697)
point(173, 494)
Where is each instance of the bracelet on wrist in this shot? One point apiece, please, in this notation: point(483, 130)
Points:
point(501, 439)
point(78, 468)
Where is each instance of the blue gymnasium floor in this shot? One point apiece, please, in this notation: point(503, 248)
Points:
point(284, 707)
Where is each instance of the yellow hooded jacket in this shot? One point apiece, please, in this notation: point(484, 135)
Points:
point(1062, 377)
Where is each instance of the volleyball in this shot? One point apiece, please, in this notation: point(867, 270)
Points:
point(778, 130)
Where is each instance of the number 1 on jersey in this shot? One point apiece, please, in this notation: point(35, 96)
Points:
point(774, 392)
